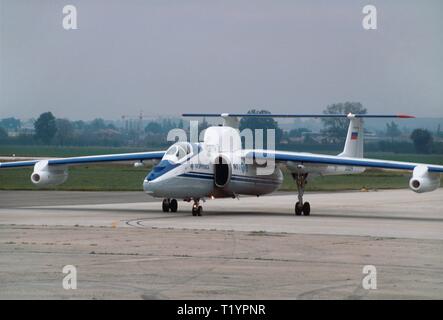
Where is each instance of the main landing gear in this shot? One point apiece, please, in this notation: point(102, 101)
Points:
point(169, 205)
point(197, 208)
point(300, 206)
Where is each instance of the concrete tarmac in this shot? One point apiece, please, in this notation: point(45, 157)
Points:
point(124, 247)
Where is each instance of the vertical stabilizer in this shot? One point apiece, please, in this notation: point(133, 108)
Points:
point(354, 139)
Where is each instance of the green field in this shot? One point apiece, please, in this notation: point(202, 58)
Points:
point(52, 151)
point(128, 178)
point(87, 178)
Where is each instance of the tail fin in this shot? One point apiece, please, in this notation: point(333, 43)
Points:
point(354, 139)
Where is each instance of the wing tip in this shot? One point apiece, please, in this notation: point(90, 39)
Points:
point(405, 116)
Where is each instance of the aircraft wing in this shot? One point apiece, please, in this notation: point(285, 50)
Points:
point(122, 157)
point(310, 158)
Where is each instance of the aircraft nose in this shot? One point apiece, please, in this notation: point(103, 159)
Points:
point(149, 186)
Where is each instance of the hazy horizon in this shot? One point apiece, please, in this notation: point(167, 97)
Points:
point(169, 57)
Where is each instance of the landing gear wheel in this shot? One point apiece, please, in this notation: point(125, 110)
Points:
point(306, 209)
point(301, 206)
point(173, 205)
point(196, 208)
point(298, 209)
point(165, 205)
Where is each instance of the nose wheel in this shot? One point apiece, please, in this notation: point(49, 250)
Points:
point(301, 207)
point(169, 205)
point(304, 209)
point(197, 208)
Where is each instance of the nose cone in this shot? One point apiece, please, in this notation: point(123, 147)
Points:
point(156, 188)
point(149, 186)
point(155, 182)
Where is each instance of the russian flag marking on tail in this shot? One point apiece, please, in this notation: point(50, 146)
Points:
point(354, 135)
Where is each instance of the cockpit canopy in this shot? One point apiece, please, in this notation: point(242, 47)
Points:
point(179, 152)
point(176, 154)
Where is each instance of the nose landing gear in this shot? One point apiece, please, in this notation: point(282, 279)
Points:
point(169, 205)
point(300, 206)
point(196, 208)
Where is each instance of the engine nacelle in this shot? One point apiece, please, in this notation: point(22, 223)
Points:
point(139, 164)
point(45, 175)
point(424, 181)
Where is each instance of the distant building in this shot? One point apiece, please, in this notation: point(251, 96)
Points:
point(21, 132)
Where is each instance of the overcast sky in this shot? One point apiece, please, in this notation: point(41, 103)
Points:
point(168, 57)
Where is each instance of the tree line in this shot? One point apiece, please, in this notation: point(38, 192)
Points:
point(49, 130)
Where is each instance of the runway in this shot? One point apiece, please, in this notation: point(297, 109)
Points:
point(125, 247)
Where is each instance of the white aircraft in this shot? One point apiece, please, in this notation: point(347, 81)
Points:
point(219, 167)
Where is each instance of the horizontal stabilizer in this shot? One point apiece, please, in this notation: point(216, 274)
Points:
point(281, 115)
